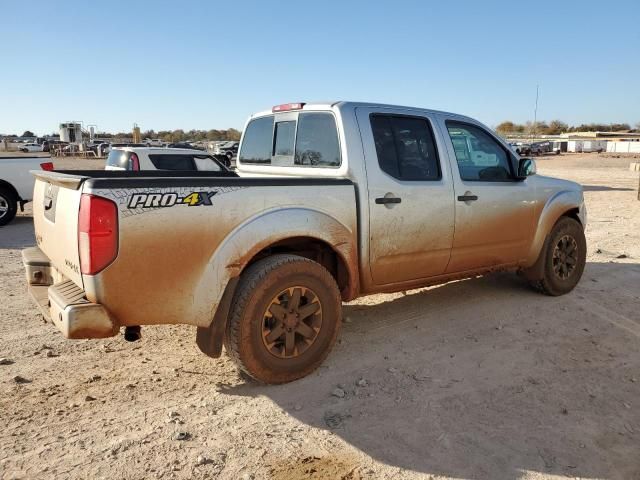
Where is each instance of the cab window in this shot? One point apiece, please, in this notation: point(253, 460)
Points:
point(317, 141)
point(405, 147)
point(480, 157)
point(257, 143)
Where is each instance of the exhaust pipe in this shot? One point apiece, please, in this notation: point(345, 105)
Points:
point(132, 334)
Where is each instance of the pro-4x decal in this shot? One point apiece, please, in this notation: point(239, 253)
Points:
point(169, 199)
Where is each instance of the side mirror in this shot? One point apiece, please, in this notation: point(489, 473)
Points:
point(526, 168)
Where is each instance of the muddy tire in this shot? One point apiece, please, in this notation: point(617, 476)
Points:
point(563, 258)
point(285, 317)
point(8, 206)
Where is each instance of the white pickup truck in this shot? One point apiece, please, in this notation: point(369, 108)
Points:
point(16, 183)
point(331, 201)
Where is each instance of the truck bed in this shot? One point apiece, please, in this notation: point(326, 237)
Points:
point(183, 235)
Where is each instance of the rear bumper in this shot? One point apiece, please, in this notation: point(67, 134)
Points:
point(64, 303)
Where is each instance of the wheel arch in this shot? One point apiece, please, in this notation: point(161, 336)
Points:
point(11, 188)
point(306, 232)
point(566, 203)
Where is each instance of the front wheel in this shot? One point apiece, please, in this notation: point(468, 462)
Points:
point(284, 319)
point(563, 259)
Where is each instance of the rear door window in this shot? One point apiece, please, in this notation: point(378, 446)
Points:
point(172, 162)
point(405, 147)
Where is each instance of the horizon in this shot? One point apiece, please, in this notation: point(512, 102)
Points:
point(201, 67)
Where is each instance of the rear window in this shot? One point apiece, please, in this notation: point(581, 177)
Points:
point(172, 162)
point(311, 141)
point(284, 136)
point(317, 141)
point(256, 146)
point(119, 159)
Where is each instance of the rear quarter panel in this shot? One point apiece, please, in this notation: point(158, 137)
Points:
point(174, 262)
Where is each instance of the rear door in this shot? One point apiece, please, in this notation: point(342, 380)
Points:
point(410, 195)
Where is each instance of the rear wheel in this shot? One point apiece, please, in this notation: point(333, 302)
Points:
point(284, 319)
point(563, 258)
point(8, 206)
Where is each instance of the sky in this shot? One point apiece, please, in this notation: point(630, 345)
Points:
point(203, 65)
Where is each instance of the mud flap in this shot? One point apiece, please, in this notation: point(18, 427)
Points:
point(536, 271)
point(209, 339)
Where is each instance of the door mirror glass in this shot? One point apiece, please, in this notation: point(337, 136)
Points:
point(526, 167)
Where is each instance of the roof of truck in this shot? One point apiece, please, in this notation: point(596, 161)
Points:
point(327, 105)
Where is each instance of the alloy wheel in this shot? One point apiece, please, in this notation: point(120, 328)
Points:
point(565, 257)
point(292, 322)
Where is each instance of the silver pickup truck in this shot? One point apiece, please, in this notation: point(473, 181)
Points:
point(331, 201)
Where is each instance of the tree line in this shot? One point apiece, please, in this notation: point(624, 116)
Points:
point(166, 135)
point(181, 135)
point(555, 127)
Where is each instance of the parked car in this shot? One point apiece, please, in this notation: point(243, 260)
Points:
point(31, 147)
point(99, 147)
point(154, 158)
point(16, 183)
point(155, 142)
point(522, 149)
point(332, 201)
point(227, 149)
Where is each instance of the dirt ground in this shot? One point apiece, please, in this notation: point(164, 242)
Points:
point(482, 379)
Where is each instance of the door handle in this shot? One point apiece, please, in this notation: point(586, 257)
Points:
point(387, 200)
point(467, 198)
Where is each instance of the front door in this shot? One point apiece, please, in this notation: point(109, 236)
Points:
point(494, 211)
point(410, 196)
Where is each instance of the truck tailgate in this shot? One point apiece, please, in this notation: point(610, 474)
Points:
point(56, 202)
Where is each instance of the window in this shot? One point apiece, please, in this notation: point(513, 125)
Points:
point(172, 162)
point(480, 157)
point(309, 141)
point(119, 159)
point(283, 142)
point(206, 163)
point(317, 141)
point(405, 147)
point(257, 144)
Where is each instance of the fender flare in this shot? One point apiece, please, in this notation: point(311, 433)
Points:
point(267, 228)
point(557, 206)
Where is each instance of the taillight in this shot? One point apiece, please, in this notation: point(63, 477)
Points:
point(286, 107)
point(48, 166)
point(134, 162)
point(97, 233)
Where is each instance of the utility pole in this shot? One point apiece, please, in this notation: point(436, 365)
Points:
point(535, 114)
